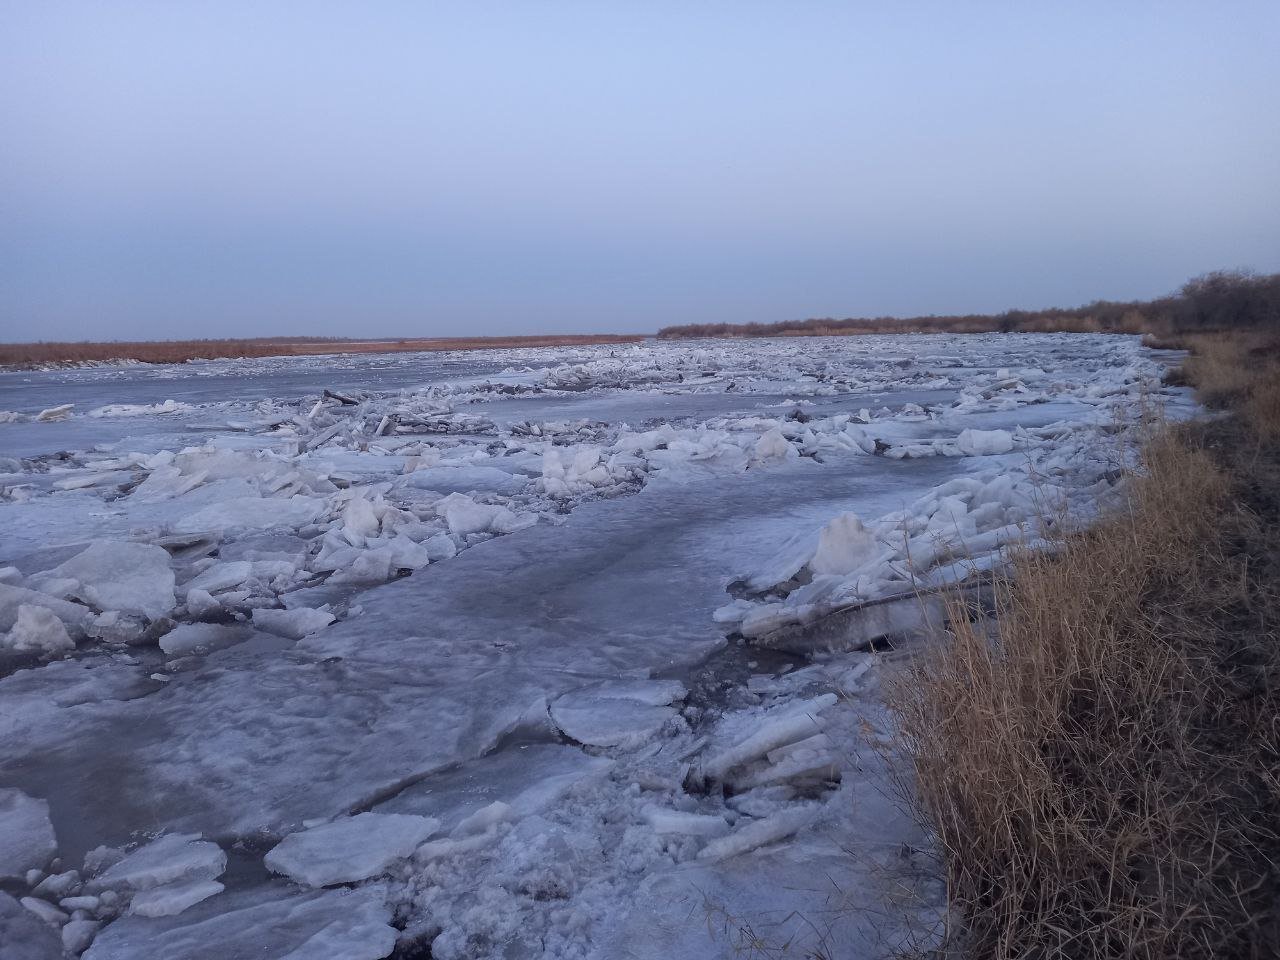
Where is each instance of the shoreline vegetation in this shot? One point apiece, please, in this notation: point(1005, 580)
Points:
point(26, 356)
point(1099, 761)
point(1224, 300)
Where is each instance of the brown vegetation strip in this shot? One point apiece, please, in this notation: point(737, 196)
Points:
point(1216, 301)
point(1101, 762)
point(180, 351)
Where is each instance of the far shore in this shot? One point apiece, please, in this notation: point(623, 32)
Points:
point(27, 356)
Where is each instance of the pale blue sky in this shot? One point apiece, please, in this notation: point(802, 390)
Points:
point(211, 168)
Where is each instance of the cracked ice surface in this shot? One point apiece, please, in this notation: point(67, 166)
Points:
point(488, 591)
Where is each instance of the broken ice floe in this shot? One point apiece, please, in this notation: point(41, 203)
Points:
point(349, 849)
point(27, 841)
point(614, 713)
point(315, 925)
point(965, 528)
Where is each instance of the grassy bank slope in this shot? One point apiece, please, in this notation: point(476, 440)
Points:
point(1101, 764)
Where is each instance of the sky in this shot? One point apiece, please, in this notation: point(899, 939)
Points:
point(204, 168)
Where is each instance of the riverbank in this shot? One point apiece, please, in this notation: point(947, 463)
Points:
point(1103, 779)
point(50, 356)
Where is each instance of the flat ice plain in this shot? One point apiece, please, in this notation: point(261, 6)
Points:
point(502, 654)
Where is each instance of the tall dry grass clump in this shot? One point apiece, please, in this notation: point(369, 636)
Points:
point(1101, 762)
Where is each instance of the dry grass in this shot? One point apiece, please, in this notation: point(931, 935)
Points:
point(180, 351)
point(1101, 762)
point(1240, 371)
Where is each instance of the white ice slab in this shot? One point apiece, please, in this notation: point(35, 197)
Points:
point(133, 578)
point(294, 624)
point(259, 925)
point(27, 841)
point(603, 721)
point(171, 858)
point(172, 898)
point(349, 849)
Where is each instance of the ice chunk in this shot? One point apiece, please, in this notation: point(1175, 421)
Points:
point(982, 443)
point(45, 910)
point(766, 617)
point(250, 513)
point(772, 445)
point(61, 412)
point(756, 834)
point(464, 515)
point(23, 936)
point(37, 630)
point(785, 564)
point(294, 624)
point(172, 898)
point(819, 741)
point(78, 934)
point(168, 859)
point(463, 479)
point(453, 846)
point(255, 925)
point(27, 841)
point(359, 521)
point(440, 547)
point(483, 819)
point(166, 483)
point(541, 773)
point(407, 555)
point(57, 885)
point(844, 545)
point(371, 566)
point(687, 824)
point(189, 638)
point(807, 765)
point(73, 616)
point(133, 578)
point(797, 723)
point(606, 722)
point(656, 693)
point(200, 603)
point(349, 849)
point(221, 576)
point(138, 409)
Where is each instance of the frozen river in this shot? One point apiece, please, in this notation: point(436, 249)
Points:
point(479, 655)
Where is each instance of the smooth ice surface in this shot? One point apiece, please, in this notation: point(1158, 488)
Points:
point(349, 849)
point(27, 841)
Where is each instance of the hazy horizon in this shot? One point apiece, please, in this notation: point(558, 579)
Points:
point(237, 169)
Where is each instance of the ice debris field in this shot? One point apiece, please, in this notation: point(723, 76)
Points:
point(525, 653)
